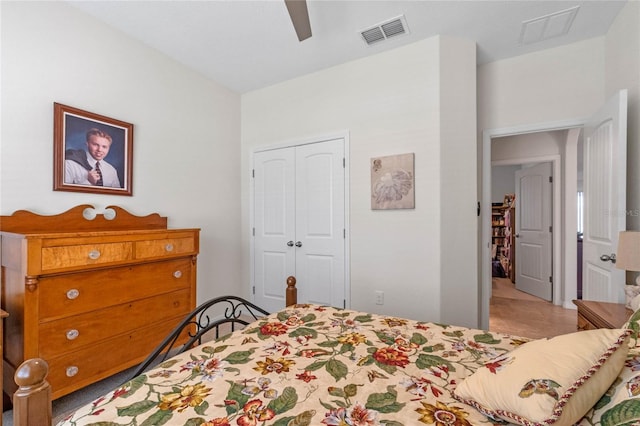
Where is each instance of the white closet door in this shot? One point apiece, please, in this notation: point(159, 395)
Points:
point(320, 223)
point(274, 226)
point(299, 224)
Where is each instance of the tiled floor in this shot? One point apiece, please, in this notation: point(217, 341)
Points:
point(514, 312)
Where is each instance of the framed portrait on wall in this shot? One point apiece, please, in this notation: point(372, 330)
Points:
point(91, 152)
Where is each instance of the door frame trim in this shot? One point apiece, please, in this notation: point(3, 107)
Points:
point(344, 135)
point(485, 223)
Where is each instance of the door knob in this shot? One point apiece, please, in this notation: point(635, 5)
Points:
point(517, 235)
point(608, 257)
point(290, 243)
point(298, 244)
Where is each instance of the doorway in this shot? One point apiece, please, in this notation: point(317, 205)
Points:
point(566, 178)
point(526, 250)
point(605, 132)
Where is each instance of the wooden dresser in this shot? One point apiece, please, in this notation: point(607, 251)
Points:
point(593, 315)
point(91, 294)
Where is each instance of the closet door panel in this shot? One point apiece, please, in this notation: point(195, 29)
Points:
point(320, 223)
point(274, 226)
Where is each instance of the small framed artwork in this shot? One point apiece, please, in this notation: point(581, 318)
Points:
point(91, 153)
point(392, 182)
point(509, 200)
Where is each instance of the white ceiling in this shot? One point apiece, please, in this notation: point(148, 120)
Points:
point(247, 45)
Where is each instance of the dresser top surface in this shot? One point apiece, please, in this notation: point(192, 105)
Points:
point(614, 314)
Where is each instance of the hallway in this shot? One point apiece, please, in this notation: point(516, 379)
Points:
point(514, 312)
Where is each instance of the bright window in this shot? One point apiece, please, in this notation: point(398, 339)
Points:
point(580, 212)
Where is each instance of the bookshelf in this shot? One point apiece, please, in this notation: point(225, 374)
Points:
point(503, 239)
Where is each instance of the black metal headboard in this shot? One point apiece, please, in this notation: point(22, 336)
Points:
point(204, 319)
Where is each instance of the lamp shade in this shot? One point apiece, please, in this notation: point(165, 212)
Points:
point(628, 256)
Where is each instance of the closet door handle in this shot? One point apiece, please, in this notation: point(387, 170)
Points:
point(290, 243)
point(298, 244)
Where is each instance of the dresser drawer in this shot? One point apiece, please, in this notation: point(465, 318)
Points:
point(72, 333)
point(90, 364)
point(65, 257)
point(164, 247)
point(72, 294)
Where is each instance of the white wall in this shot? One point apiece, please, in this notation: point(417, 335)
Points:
point(186, 128)
point(571, 82)
point(550, 85)
point(390, 104)
point(564, 83)
point(458, 159)
point(623, 72)
point(503, 181)
point(538, 144)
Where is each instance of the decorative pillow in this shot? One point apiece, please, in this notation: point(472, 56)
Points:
point(633, 324)
point(630, 292)
point(548, 381)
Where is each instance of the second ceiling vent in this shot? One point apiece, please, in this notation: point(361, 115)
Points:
point(385, 30)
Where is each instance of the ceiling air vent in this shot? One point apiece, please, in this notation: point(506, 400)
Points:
point(385, 30)
point(548, 26)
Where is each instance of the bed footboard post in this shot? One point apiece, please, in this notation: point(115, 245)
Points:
point(32, 400)
point(292, 291)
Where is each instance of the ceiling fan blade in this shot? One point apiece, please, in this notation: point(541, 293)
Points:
point(299, 17)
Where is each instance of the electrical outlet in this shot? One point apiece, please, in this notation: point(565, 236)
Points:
point(379, 298)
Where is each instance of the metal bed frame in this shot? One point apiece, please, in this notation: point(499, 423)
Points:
point(200, 322)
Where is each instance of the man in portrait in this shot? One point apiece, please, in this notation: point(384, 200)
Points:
point(90, 167)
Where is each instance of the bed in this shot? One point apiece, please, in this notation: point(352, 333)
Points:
point(319, 365)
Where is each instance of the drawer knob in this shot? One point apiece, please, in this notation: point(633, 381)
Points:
point(169, 247)
point(94, 254)
point(73, 294)
point(72, 371)
point(72, 334)
point(177, 274)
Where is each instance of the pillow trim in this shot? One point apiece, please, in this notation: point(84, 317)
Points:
point(564, 399)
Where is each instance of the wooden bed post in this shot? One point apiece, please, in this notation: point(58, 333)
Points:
point(32, 400)
point(292, 291)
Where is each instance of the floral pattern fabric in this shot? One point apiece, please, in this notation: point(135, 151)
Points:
point(315, 365)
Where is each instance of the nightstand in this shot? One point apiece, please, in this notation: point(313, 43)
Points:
point(593, 315)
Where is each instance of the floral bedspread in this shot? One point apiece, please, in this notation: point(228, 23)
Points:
point(312, 365)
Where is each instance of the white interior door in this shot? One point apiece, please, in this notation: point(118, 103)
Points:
point(300, 224)
point(320, 223)
point(604, 169)
point(274, 225)
point(533, 231)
